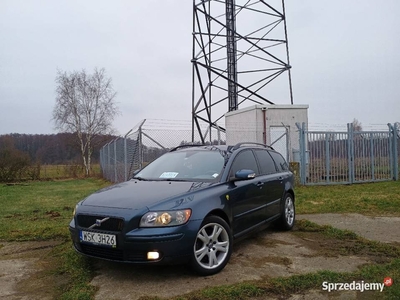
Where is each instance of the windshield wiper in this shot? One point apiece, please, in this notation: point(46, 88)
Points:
point(174, 179)
point(140, 178)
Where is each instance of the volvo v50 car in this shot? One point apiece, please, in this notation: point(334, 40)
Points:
point(189, 205)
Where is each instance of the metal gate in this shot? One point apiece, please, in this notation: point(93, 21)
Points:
point(348, 157)
point(279, 137)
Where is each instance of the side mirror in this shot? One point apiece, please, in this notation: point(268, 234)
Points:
point(245, 174)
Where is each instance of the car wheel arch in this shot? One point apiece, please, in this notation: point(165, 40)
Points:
point(219, 213)
point(291, 192)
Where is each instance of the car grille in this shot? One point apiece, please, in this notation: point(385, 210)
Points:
point(112, 224)
point(113, 254)
point(108, 253)
point(136, 256)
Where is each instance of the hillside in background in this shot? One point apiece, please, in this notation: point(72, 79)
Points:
point(61, 148)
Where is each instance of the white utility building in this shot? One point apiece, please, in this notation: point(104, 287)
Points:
point(273, 125)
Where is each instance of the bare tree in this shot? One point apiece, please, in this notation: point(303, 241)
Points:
point(85, 105)
point(357, 126)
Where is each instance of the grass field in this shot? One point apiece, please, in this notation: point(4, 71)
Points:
point(66, 171)
point(43, 210)
point(381, 198)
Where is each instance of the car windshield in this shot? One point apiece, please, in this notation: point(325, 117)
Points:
point(191, 165)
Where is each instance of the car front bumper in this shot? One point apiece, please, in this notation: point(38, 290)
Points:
point(174, 244)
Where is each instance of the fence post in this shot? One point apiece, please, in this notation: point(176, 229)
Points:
point(287, 144)
point(115, 161)
point(300, 172)
point(140, 142)
point(109, 162)
point(126, 155)
point(105, 166)
point(125, 160)
point(219, 135)
point(393, 151)
point(350, 152)
point(140, 148)
point(302, 151)
point(101, 160)
point(327, 158)
point(396, 150)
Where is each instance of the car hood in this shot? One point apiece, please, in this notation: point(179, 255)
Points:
point(135, 194)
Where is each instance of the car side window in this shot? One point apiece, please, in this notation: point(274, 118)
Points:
point(244, 160)
point(267, 165)
point(280, 161)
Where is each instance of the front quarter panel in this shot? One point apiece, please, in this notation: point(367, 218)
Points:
point(201, 202)
point(289, 182)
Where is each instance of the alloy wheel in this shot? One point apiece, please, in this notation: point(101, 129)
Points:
point(289, 211)
point(211, 248)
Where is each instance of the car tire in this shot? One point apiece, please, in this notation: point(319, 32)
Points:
point(212, 247)
point(288, 213)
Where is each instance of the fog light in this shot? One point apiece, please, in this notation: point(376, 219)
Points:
point(153, 255)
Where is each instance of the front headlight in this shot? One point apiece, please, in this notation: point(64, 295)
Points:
point(76, 207)
point(165, 218)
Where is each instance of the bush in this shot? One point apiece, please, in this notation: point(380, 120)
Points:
point(33, 171)
point(73, 170)
point(13, 164)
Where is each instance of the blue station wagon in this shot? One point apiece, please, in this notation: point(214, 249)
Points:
point(189, 205)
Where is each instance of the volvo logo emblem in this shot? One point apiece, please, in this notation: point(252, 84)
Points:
point(98, 223)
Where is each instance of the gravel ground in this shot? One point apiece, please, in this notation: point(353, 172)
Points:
point(272, 254)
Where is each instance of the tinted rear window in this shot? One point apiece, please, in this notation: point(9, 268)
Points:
point(280, 161)
point(267, 165)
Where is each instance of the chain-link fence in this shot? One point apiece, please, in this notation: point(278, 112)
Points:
point(148, 140)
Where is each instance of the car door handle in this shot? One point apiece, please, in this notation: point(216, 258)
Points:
point(260, 184)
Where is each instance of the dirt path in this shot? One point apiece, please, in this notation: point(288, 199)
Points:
point(268, 254)
point(382, 229)
point(22, 270)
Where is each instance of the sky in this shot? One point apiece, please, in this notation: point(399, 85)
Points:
point(343, 53)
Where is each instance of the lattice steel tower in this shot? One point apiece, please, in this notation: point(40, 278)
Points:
point(240, 49)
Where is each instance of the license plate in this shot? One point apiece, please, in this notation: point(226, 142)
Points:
point(97, 238)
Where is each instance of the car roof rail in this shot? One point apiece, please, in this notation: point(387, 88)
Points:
point(186, 146)
point(238, 145)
